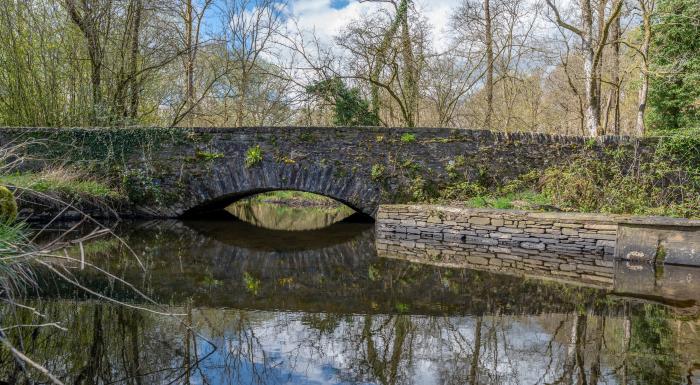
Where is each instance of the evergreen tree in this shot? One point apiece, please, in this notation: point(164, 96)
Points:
point(675, 64)
point(349, 107)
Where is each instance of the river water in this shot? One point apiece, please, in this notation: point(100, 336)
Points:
point(227, 302)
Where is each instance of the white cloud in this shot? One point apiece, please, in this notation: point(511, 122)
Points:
point(327, 22)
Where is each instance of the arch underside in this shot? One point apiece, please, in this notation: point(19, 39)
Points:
point(225, 186)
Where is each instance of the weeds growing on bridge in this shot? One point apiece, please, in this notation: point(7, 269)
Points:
point(622, 181)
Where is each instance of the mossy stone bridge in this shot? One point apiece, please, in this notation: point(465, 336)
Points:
point(173, 172)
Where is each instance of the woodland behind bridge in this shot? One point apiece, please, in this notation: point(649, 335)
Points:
point(584, 67)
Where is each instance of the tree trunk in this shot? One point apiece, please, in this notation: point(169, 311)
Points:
point(410, 73)
point(488, 40)
point(644, 89)
point(474, 365)
point(134, 102)
point(592, 103)
point(189, 65)
point(616, 75)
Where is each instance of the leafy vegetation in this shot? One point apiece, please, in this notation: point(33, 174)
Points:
point(253, 156)
point(665, 182)
point(675, 85)
point(377, 171)
point(408, 137)
point(349, 107)
point(207, 156)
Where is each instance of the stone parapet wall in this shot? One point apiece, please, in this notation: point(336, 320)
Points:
point(170, 172)
point(576, 247)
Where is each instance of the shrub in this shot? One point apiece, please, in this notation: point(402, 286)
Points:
point(461, 191)
point(8, 205)
point(408, 137)
point(377, 171)
point(663, 184)
point(253, 156)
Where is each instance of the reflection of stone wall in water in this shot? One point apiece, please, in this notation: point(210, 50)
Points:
point(546, 244)
point(281, 217)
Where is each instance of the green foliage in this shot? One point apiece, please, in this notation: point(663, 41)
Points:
point(8, 206)
point(207, 156)
point(417, 189)
point(682, 147)
point(408, 137)
point(621, 184)
point(455, 165)
point(253, 156)
point(140, 188)
point(526, 199)
point(252, 284)
point(461, 191)
point(12, 238)
point(377, 172)
point(349, 107)
point(674, 94)
point(522, 183)
point(653, 347)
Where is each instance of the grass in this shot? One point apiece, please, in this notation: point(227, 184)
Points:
point(289, 195)
point(62, 181)
point(519, 200)
point(12, 236)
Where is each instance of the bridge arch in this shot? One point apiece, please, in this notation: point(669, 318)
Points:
point(227, 183)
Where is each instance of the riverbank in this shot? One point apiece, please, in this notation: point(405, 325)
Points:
point(61, 194)
point(296, 199)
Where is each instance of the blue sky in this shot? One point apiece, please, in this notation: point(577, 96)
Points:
point(328, 17)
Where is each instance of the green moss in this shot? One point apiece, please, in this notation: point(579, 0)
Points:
point(253, 156)
point(8, 206)
point(207, 156)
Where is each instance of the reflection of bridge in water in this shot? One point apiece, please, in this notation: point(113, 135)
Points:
point(233, 264)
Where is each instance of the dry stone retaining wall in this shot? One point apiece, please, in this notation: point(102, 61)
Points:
point(572, 246)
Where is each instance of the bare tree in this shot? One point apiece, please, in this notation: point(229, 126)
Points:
point(93, 18)
point(647, 8)
point(592, 48)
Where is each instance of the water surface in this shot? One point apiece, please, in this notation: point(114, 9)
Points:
point(262, 306)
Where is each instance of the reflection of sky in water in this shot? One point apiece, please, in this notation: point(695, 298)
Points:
point(288, 351)
point(306, 319)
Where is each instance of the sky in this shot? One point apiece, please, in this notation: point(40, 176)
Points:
point(328, 17)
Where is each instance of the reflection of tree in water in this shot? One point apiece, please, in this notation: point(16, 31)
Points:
point(110, 344)
point(103, 344)
point(282, 217)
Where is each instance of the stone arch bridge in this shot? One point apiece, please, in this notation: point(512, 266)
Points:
point(172, 172)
